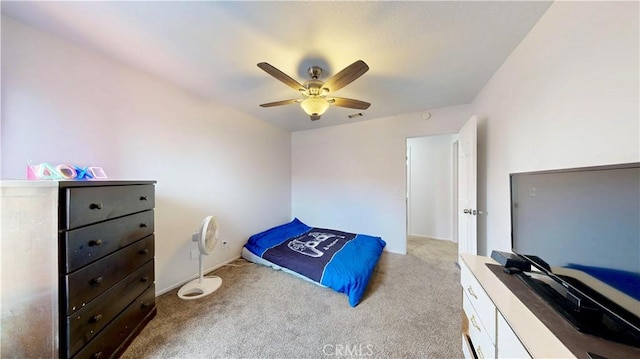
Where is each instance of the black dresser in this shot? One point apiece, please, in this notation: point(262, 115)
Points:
point(106, 265)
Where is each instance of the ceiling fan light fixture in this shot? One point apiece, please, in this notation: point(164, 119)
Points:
point(315, 100)
point(314, 106)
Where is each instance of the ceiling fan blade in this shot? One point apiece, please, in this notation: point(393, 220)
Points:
point(346, 76)
point(281, 76)
point(314, 117)
point(348, 102)
point(279, 103)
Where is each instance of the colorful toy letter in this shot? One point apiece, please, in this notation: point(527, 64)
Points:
point(46, 171)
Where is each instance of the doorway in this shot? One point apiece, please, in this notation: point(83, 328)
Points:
point(432, 189)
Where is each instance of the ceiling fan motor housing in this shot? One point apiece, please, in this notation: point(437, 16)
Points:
point(314, 88)
point(314, 72)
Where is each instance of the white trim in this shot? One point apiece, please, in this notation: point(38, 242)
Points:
point(407, 200)
point(454, 161)
point(430, 237)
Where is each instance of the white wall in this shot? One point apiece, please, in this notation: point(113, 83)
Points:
point(566, 97)
point(64, 104)
point(352, 177)
point(430, 186)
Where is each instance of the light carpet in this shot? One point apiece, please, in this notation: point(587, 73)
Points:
point(411, 310)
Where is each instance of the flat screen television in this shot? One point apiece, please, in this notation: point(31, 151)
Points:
point(580, 230)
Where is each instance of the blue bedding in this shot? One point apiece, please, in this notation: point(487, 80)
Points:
point(339, 260)
point(626, 282)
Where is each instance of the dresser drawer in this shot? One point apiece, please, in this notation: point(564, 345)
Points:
point(114, 335)
point(87, 283)
point(88, 244)
point(482, 343)
point(84, 324)
point(467, 352)
point(509, 346)
point(86, 205)
point(484, 307)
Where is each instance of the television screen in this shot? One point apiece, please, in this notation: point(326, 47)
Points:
point(583, 227)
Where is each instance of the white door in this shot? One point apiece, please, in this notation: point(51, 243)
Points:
point(467, 188)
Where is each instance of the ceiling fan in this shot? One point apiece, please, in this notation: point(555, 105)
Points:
point(316, 97)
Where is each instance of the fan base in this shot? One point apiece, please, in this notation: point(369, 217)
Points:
point(197, 289)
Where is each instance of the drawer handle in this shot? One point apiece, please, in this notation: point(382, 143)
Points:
point(144, 279)
point(143, 198)
point(143, 225)
point(95, 206)
point(95, 242)
point(479, 351)
point(145, 305)
point(97, 355)
point(96, 318)
point(470, 290)
point(96, 281)
point(144, 251)
point(475, 324)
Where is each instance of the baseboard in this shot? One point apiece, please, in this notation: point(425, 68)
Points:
point(429, 237)
point(181, 283)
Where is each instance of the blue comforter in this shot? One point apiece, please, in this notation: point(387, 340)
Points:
point(624, 281)
point(339, 260)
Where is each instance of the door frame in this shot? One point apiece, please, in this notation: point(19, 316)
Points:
point(454, 164)
point(454, 151)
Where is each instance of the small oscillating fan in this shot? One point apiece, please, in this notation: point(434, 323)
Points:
point(207, 237)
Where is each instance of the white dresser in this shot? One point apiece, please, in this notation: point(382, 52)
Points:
point(496, 324)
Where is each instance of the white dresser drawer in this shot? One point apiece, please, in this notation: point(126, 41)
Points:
point(466, 348)
point(482, 342)
point(484, 307)
point(509, 346)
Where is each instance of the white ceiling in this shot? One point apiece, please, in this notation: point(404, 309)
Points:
point(422, 55)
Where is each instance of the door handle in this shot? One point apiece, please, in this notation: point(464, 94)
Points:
point(470, 211)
